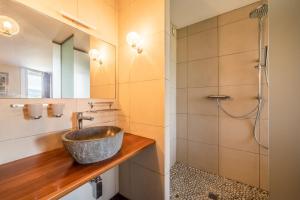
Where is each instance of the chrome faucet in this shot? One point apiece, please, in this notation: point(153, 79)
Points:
point(80, 119)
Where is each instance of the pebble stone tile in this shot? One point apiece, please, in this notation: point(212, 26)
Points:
point(188, 183)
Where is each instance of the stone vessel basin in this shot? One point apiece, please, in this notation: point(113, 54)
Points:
point(94, 144)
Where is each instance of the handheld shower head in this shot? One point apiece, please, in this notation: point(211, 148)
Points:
point(259, 12)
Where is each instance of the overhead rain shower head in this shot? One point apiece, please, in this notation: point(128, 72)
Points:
point(259, 12)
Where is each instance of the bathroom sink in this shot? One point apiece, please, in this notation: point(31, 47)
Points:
point(94, 144)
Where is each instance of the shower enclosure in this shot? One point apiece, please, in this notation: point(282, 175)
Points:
point(222, 98)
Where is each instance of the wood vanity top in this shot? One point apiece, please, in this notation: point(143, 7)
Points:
point(53, 174)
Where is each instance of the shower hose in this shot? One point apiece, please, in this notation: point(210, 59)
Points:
point(256, 109)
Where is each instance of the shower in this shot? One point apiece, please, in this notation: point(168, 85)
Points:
point(259, 13)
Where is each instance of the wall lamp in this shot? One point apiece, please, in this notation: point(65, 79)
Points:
point(135, 41)
point(97, 55)
point(8, 26)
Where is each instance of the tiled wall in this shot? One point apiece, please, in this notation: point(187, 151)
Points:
point(142, 86)
point(21, 137)
point(218, 56)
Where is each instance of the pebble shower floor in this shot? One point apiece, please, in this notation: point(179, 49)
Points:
point(188, 183)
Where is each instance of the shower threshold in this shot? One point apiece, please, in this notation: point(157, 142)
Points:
point(188, 183)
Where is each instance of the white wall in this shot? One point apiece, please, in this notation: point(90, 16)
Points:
point(87, 192)
point(284, 99)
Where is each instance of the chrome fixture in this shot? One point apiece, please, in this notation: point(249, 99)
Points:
point(94, 104)
point(222, 97)
point(259, 13)
point(80, 119)
point(23, 105)
point(98, 183)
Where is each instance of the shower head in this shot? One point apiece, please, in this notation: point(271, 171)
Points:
point(259, 12)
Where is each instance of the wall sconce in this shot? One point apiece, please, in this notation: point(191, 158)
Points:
point(97, 55)
point(134, 40)
point(8, 26)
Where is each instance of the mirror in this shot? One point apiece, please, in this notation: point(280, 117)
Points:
point(41, 57)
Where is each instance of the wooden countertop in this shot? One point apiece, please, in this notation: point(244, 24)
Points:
point(53, 174)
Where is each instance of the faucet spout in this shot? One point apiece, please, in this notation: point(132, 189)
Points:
point(80, 119)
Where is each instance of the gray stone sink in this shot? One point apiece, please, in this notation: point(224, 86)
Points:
point(94, 144)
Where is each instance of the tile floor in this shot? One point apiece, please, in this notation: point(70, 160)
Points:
point(188, 183)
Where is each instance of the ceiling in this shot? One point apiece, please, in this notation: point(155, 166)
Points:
point(32, 47)
point(186, 12)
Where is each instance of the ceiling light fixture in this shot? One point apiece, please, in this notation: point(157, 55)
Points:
point(8, 26)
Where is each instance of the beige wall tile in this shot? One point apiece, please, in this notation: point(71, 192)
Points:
point(239, 69)
point(181, 50)
point(203, 45)
point(124, 99)
point(243, 99)
point(182, 32)
point(149, 65)
point(237, 134)
point(236, 15)
point(103, 91)
point(181, 75)
point(28, 146)
point(264, 172)
point(239, 165)
point(203, 129)
point(126, 59)
point(181, 126)
point(123, 122)
point(203, 25)
point(203, 73)
point(238, 37)
point(146, 97)
point(123, 4)
point(181, 150)
point(154, 157)
point(146, 66)
point(198, 102)
point(138, 17)
point(203, 156)
point(98, 14)
point(181, 100)
point(146, 184)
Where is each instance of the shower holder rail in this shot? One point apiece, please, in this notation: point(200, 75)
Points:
point(220, 97)
point(23, 105)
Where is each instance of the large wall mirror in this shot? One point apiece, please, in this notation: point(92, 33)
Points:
point(41, 57)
